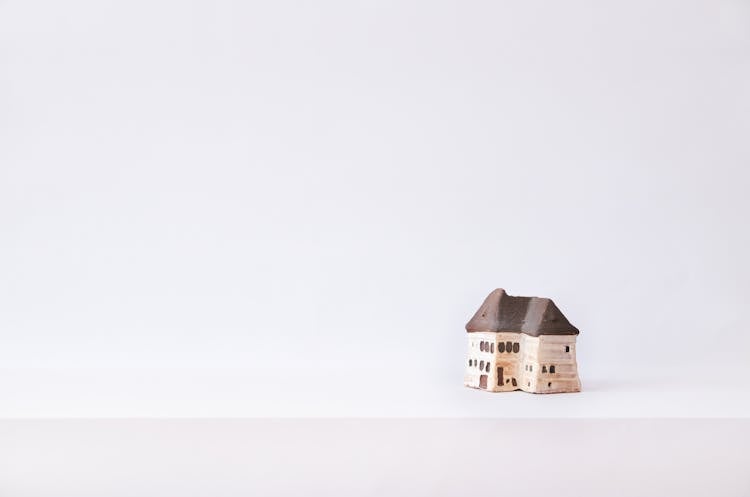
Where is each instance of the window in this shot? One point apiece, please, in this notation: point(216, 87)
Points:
point(552, 369)
point(508, 346)
point(516, 347)
point(481, 365)
point(492, 348)
point(549, 384)
point(501, 347)
point(487, 367)
point(515, 383)
point(531, 368)
point(544, 369)
point(481, 346)
point(567, 348)
point(469, 362)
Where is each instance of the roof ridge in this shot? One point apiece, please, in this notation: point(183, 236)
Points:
point(530, 315)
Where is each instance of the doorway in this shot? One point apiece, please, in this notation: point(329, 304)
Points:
point(500, 377)
point(483, 381)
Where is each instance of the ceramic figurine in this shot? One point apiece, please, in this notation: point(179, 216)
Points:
point(521, 343)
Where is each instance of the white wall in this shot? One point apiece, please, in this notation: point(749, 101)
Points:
point(282, 187)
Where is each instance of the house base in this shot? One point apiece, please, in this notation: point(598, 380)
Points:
point(560, 386)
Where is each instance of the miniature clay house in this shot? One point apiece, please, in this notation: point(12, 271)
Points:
point(521, 343)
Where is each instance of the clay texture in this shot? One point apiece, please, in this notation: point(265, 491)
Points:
point(521, 343)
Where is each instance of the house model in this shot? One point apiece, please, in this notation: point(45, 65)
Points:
point(521, 343)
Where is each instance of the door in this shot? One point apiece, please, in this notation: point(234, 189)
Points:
point(500, 377)
point(483, 381)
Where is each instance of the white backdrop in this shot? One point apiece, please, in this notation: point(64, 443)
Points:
point(310, 199)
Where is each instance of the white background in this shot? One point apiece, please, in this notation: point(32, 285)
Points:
point(375, 457)
point(292, 208)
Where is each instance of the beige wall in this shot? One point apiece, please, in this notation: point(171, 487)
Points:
point(529, 369)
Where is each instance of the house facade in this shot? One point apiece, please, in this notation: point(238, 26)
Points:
point(521, 343)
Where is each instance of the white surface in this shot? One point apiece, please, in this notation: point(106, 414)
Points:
point(241, 393)
point(566, 458)
point(302, 191)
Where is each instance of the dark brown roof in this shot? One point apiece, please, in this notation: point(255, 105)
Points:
point(530, 315)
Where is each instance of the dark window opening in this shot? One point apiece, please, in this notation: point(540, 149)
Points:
point(507, 380)
point(499, 377)
point(487, 367)
point(469, 362)
point(481, 364)
point(552, 369)
point(549, 384)
point(516, 347)
point(492, 348)
point(567, 348)
point(531, 368)
point(544, 369)
point(528, 384)
point(481, 346)
point(508, 346)
point(515, 384)
point(501, 347)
